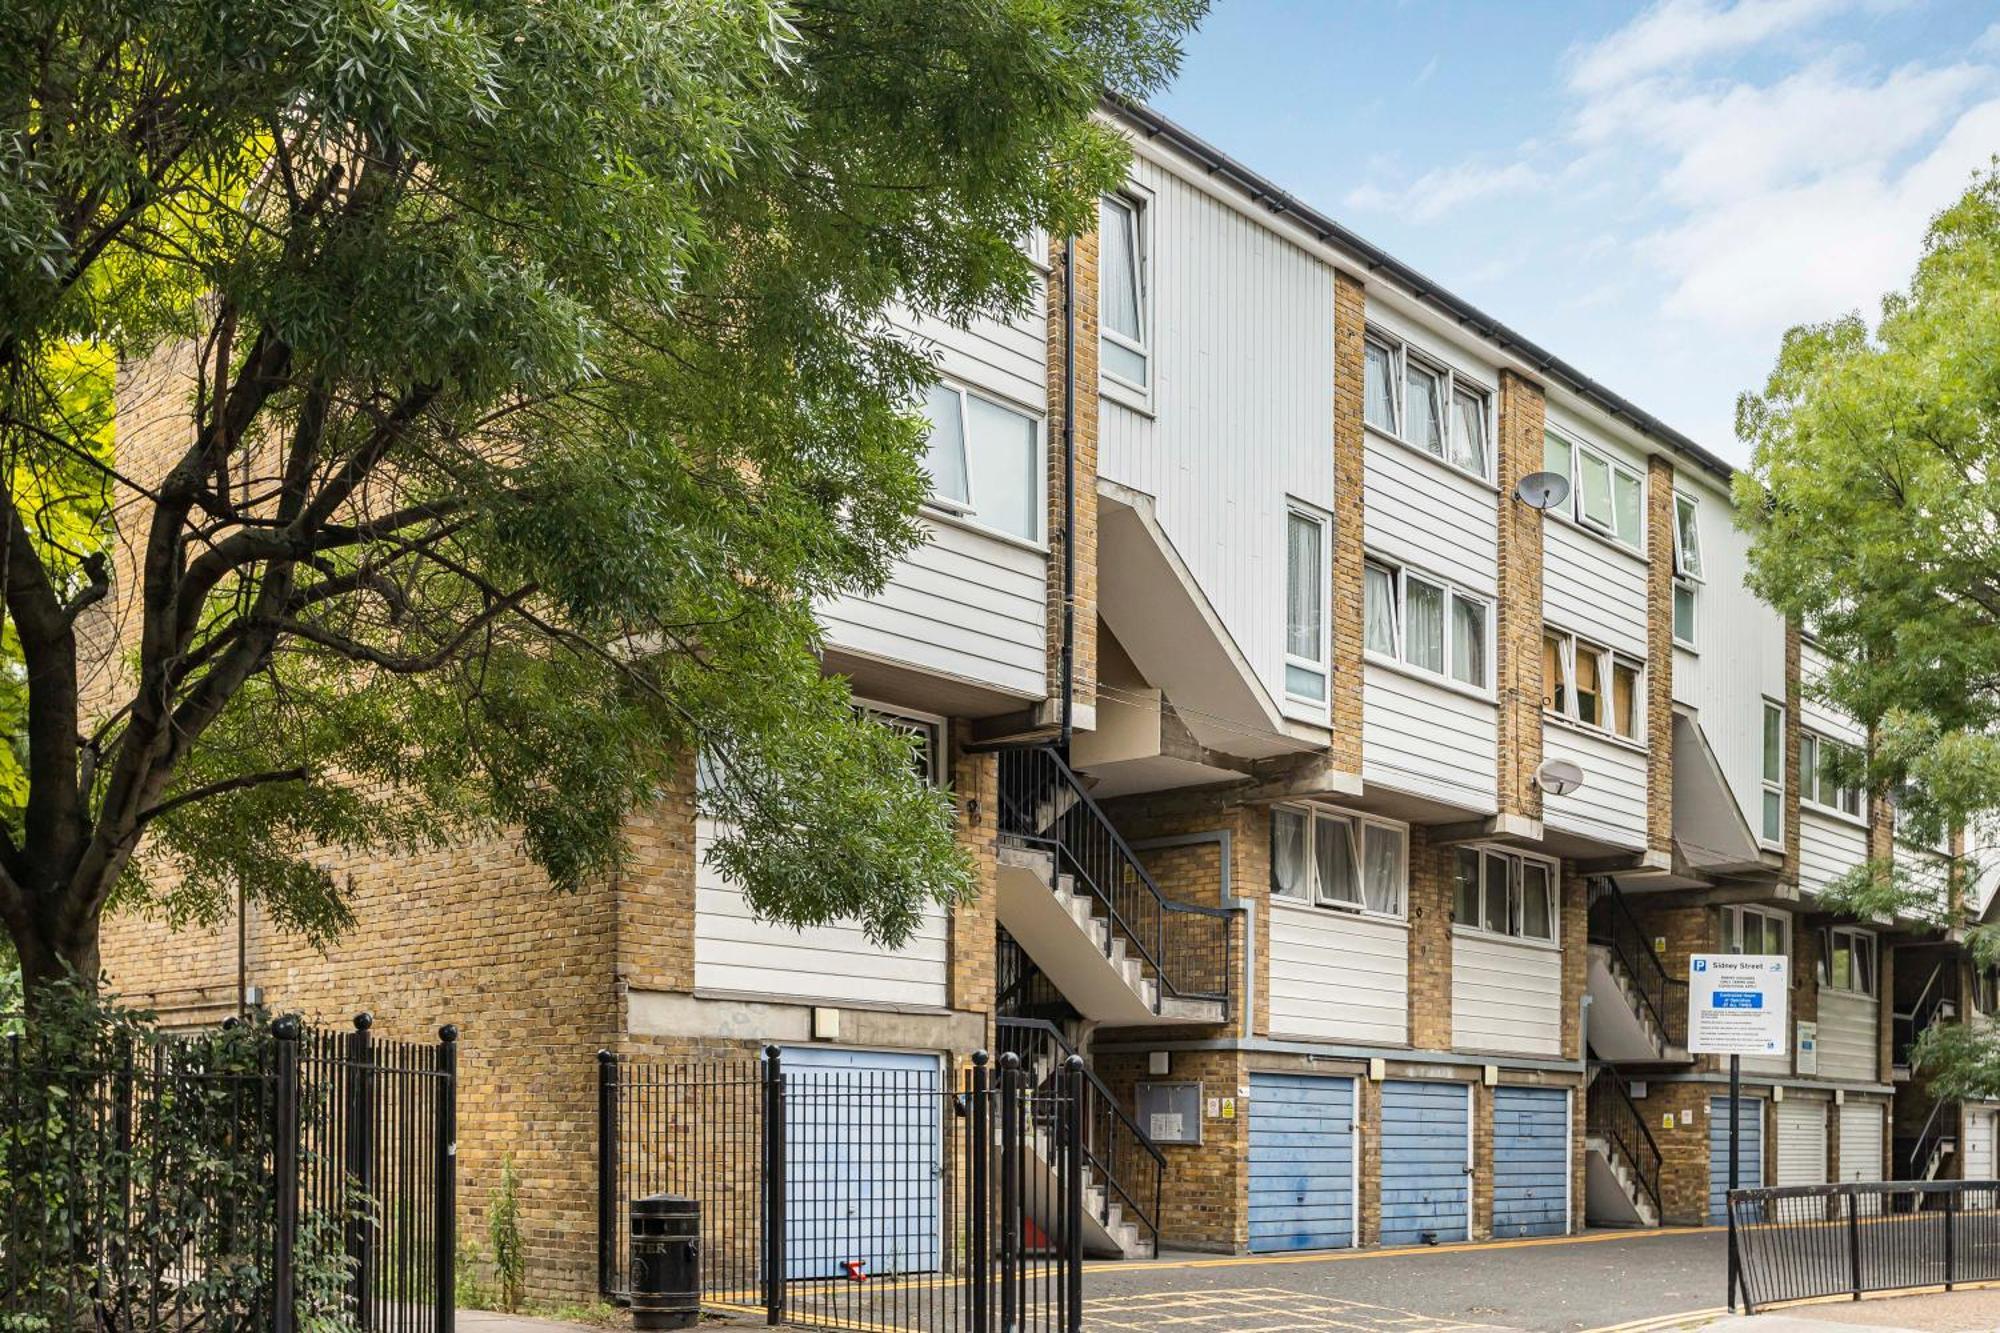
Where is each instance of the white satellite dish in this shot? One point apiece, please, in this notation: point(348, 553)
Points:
point(1558, 777)
point(1542, 490)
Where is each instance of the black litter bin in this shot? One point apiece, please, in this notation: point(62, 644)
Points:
point(666, 1262)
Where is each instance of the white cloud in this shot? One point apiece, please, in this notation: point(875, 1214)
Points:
point(1678, 33)
point(1436, 194)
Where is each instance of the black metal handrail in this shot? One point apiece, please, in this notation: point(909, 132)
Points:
point(1044, 806)
point(1663, 995)
point(1907, 1026)
point(1127, 1161)
point(1611, 1114)
point(1930, 1136)
point(1808, 1242)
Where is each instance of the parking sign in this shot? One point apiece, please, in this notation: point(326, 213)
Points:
point(1737, 1004)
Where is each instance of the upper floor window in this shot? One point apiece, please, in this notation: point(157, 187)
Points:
point(1773, 827)
point(985, 461)
point(1124, 349)
point(1504, 894)
point(1333, 859)
point(1306, 550)
point(1606, 496)
point(1687, 568)
point(1986, 990)
point(926, 733)
point(1591, 685)
point(1847, 960)
point(1426, 623)
point(1426, 404)
point(1756, 930)
point(1818, 782)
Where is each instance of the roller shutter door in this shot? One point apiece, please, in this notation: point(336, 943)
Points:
point(1426, 1153)
point(1530, 1162)
point(1978, 1144)
point(1801, 1147)
point(1750, 1172)
point(1301, 1162)
point(1861, 1149)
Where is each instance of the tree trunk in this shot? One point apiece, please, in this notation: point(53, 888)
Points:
point(46, 961)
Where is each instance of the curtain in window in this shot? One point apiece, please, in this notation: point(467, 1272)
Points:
point(1625, 700)
point(1379, 386)
point(1380, 586)
point(1424, 392)
point(1589, 686)
point(1466, 898)
point(944, 458)
point(1288, 853)
point(1688, 532)
point(1555, 676)
point(1005, 467)
point(1468, 431)
point(1333, 850)
point(1499, 885)
point(1537, 920)
point(1468, 641)
point(1382, 869)
point(1304, 606)
point(1423, 628)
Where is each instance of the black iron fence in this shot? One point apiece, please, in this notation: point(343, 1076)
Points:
point(865, 1194)
point(239, 1179)
point(1802, 1242)
point(1611, 1116)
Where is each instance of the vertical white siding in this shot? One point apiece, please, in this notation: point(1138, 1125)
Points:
point(1339, 976)
point(1242, 406)
point(734, 951)
point(1816, 715)
point(1848, 1034)
point(1611, 804)
point(1592, 586)
point(1421, 513)
point(1829, 847)
point(1506, 996)
point(1921, 868)
point(1426, 739)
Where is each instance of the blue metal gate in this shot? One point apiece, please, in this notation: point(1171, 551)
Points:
point(1426, 1162)
point(1750, 1164)
point(1301, 1162)
point(1531, 1179)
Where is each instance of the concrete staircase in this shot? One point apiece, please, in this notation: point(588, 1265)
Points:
point(1612, 1193)
point(1623, 1029)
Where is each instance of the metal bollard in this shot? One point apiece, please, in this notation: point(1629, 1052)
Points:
point(666, 1262)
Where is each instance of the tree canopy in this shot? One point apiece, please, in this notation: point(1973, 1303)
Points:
point(525, 380)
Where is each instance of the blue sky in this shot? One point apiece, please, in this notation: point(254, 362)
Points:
point(1653, 192)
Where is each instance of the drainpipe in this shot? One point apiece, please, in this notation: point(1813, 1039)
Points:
point(1228, 902)
point(1069, 496)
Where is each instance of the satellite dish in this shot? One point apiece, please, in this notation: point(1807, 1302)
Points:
point(1542, 490)
point(1558, 777)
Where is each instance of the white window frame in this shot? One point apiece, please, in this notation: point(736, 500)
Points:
point(1452, 380)
point(1608, 661)
point(1771, 787)
point(1140, 206)
point(1324, 666)
point(1577, 449)
point(1357, 827)
point(1812, 743)
point(1688, 574)
point(1399, 578)
point(967, 512)
point(932, 729)
point(1514, 888)
point(1858, 941)
point(1732, 927)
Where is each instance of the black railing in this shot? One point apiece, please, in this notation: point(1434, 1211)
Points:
point(1935, 1001)
point(1662, 996)
point(1022, 990)
point(1128, 1165)
point(1940, 1124)
point(1611, 1115)
point(1184, 947)
point(838, 1196)
point(1808, 1242)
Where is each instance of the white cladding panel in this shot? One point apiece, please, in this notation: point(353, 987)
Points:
point(1741, 657)
point(1339, 975)
point(1848, 1036)
point(1434, 518)
point(1921, 866)
point(734, 951)
point(1611, 804)
point(1978, 1143)
point(1426, 739)
point(965, 604)
point(1506, 995)
point(1829, 847)
point(1593, 588)
point(1815, 715)
point(1242, 405)
point(1801, 1142)
point(1861, 1141)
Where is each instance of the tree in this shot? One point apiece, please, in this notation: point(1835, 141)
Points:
point(535, 383)
point(1873, 500)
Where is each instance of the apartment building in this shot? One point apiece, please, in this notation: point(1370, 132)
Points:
point(1348, 801)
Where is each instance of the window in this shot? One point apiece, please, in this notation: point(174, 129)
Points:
point(1774, 774)
point(1504, 894)
point(1305, 605)
point(1333, 859)
point(1426, 405)
point(1986, 990)
point(1605, 495)
point(1121, 302)
point(1818, 782)
point(926, 733)
point(1426, 623)
point(1687, 568)
point(1591, 685)
point(985, 461)
point(1753, 930)
point(1847, 960)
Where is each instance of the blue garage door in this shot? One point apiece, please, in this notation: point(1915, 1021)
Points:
point(1530, 1162)
point(1426, 1147)
point(1301, 1162)
point(1750, 1164)
point(863, 1161)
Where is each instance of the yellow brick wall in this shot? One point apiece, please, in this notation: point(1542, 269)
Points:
point(1084, 535)
point(1517, 654)
point(1349, 324)
point(1660, 654)
point(1430, 943)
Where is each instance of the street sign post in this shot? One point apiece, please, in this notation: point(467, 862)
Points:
point(1737, 1006)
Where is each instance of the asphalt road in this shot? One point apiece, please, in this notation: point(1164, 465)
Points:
point(1589, 1282)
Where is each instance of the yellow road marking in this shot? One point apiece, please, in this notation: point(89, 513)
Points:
point(1660, 1323)
point(1397, 1252)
